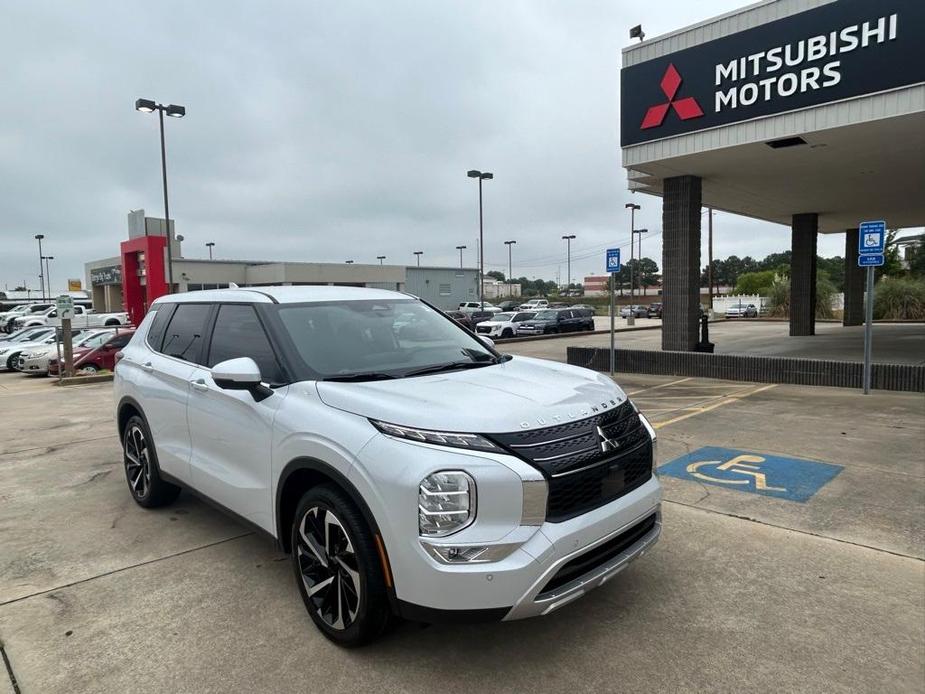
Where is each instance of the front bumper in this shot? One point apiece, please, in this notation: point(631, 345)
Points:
point(35, 365)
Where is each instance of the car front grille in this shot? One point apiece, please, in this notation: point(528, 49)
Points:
point(483, 328)
point(584, 469)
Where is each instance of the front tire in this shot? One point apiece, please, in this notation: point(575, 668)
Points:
point(141, 471)
point(337, 568)
point(507, 332)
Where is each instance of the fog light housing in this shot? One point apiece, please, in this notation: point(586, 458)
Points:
point(446, 503)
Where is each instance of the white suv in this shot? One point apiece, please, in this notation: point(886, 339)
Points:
point(407, 466)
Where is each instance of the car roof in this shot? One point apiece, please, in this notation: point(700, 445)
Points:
point(283, 295)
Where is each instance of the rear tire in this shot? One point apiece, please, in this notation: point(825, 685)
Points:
point(11, 361)
point(141, 470)
point(89, 368)
point(507, 332)
point(337, 568)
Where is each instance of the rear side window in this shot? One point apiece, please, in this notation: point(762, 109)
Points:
point(156, 333)
point(120, 341)
point(185, 332)
point(238, 333)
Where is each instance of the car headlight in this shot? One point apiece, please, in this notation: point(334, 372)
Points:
point(446, 503)
point(473, 442)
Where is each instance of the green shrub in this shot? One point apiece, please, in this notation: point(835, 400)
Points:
point(897, 298)
point(779, 297)
point(755, 282)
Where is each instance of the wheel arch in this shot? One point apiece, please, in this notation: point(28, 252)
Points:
point(298, 476)
point(128, 407)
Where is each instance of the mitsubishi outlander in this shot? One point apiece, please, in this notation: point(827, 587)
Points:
point(408, 467)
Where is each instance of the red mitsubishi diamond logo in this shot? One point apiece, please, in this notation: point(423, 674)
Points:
point(686, 108)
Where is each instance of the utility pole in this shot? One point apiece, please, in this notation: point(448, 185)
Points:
point(510, 271)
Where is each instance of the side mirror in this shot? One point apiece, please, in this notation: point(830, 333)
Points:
point(240, 374)
point(487, 340)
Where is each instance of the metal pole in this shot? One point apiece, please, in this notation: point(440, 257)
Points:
point(510, 288)
point(568, 265)
point(68, 348)
point(460, 257)
point(631, 319)
point(481, 250)
point(160, 113)
point(868, 328)
point(612, 328)
point(639, 267)
point(710, 255)
point(48, 274)
point(41, 274)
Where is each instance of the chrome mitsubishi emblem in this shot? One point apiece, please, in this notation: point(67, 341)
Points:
point(607, 444)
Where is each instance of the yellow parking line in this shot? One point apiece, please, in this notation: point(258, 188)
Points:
point(661, 385)
point(728, 400)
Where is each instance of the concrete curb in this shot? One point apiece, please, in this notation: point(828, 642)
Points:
point(82, 380)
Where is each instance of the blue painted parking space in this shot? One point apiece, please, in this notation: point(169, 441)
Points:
point(794, 479)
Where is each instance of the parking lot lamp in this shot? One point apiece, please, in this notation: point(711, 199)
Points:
point(174, 111)
point(482, 176)
point(639, 264)
point(510, 271)
point(39, 237)
point(568, 272)
point(380, 258)
point(632, 207)
point(419, 254)
point(460, 249)
point(46, 258)
point(210, 245)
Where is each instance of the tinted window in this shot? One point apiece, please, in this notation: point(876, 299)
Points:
point(184, 336)
point(120, 341)
point(238, 333)
point(156, 333)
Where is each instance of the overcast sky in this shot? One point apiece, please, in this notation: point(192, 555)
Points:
point(327, 131)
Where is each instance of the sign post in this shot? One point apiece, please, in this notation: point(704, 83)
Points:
point(871, 244)
point(613, 267)
point(65, 308)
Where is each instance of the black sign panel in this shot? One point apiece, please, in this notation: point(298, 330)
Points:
point(837, 51)
point(111, 274)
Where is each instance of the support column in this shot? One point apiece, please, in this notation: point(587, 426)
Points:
point(804, 230)
point(854, 282)
point(681, 263)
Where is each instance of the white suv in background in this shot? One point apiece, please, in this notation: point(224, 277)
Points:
point(407, 466)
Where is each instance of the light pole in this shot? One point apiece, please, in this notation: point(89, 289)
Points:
point(460, 249)
point(349, 262)
point(632, 207)
point(510, 270)
point(174, 111)
point(639, 262)
point(568, 273)
point(482, 176)
point(46, 258)
point(39, 237)
point(419, 254)
point(380, 258)
point(210, 245)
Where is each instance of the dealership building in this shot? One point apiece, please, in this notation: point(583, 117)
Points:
point(808, 113)
point(133, 279)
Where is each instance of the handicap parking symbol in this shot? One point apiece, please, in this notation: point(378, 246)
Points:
point(793, 479)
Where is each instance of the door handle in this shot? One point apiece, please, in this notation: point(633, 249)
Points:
point(200, 385)
point(148, 366)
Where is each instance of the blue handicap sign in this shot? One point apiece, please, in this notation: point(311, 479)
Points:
point(874, 260)
point(871, 237)
point(613, 260)
point(793, 479)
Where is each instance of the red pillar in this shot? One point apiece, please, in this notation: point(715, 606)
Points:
point(143, 274)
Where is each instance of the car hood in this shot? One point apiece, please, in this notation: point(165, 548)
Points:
point(522, 393)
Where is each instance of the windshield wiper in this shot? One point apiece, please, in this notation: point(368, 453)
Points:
point(365, 376)
point(451, 366)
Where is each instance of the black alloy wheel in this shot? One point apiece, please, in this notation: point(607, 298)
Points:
point(141, 471)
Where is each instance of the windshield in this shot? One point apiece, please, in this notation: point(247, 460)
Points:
point(366, 340)
point(93, 341)
point(503, 316)
point(545, 315)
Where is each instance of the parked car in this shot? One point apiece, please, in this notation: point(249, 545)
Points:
point(7, 317)
point(472, 306)
point(10, 351)
point(295, 409)
point(463, 318)
point(585, 307)
point(550, 321)
point(534, 305)
point(636, 311)
point(503, 324)
point(83, 318)
point(509, 305)
point(742, 311)
point(26, 334)
point(89, 359)
point(34, 362)
point(654, 310)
